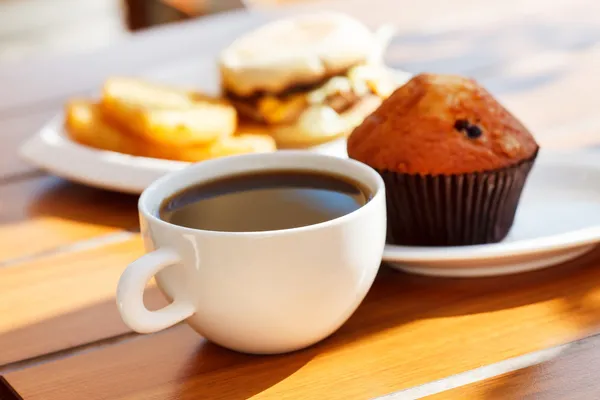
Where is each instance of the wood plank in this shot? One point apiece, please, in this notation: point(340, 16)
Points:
point(398, 338)
point(65, 300)
point(43, 213)
point(572, 374)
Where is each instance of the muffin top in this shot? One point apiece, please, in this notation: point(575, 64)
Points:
point(441, 124)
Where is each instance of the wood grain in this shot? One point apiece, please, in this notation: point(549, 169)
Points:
point(571, 375)
point(43, 213)
point(62, 301)
point(410, 330)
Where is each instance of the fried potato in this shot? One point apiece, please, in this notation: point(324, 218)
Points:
point(228, 146)
point(164, 115)
point(86, 125)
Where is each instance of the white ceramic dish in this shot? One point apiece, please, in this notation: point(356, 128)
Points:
point(51, 148)
point(558, 219)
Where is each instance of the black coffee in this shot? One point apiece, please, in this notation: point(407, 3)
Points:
point(264, 201)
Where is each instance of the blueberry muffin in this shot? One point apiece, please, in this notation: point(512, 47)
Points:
point(454, 161)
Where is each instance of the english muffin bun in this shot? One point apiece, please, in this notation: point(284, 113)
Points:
point(295, 51)
point(307, 78)
point(453, 159)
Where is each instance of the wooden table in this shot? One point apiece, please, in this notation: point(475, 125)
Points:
point(63, 246)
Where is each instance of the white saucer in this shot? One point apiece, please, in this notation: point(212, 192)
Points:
point(558, 219)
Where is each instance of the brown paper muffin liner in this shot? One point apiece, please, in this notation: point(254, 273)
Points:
point(453, 210)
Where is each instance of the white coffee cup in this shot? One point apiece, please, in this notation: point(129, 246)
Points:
point(257, 292)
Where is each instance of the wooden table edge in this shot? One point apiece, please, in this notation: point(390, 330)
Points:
point(7, 392)
point(433, 388)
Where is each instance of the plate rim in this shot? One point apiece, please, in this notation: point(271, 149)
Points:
point(51, 145)
point(562, 241)
point(498, 269)
point(51, 142)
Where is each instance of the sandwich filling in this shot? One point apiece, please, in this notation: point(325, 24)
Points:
point(337, 93)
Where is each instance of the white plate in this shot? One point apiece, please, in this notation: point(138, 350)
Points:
point(558, 219)
point(51, 148)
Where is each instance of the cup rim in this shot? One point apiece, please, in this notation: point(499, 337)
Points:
point(155, 193)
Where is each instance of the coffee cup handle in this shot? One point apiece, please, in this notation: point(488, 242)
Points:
point(130, 294)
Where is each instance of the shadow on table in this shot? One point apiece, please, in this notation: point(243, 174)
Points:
point(71, 329)
point(176, 363)
point(397, 299)
point(245, 377)
point(62, 199)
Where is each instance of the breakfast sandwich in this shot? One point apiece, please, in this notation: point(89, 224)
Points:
point(309, 79)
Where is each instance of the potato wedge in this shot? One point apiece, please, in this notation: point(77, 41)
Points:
point(85, 124)
point(167, 116)
point(228, 146)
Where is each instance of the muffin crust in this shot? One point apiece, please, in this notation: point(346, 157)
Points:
point(441, 125)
